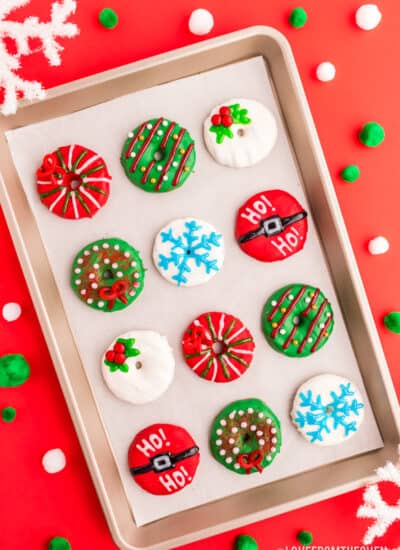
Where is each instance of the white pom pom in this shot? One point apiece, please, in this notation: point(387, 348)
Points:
point(326, 71)
point(54, 461)
point(201, 22)
point(368, 17)
point(11, 311)
point(378, 245)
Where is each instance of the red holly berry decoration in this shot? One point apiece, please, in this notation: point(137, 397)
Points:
point(227, 121)
point(225, 111)
point(115, 358)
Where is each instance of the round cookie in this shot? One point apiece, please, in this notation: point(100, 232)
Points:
point(297, 320)
point(163, 459)
point(271, 226)
point(240, 132)
point(73, 182)
point(218, 347)
point(246, 436)
point(159, 155)
point(328, 409)
point(138, 366)
point(188, 252)
point(108, 274)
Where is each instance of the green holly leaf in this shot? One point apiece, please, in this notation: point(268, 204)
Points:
point(221, 132)
point(239, 115)
point(130, 351)
point(123, 367)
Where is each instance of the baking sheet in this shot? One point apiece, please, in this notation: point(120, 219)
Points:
point(213, 193)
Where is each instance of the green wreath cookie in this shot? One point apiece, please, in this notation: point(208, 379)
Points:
point(297, 320)
point(108, 274)
point(159, 155)
point(246, 436)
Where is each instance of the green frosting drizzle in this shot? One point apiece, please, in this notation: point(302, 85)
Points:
point(14, 370)
point(8, 414)
point(350, 173)
point(59, 543)
point(108, 18)
point(238, 446)
point(371, 134)
point(298, 18)
point(246, 542)
point(305, 537)
point(392, 321)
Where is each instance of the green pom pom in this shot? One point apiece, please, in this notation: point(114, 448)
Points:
point(298, 18)
point(372, 134)
point(59, 543)
point(392, 321)
point(14, 370)
point(8, 414)
point(108, 18)
point(350, 173)
point(305, 538)
point(246, 542)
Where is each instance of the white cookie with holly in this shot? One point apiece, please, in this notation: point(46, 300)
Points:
point(240, 132)
point(138, 366)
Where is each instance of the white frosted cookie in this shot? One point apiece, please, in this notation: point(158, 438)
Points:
point(240, 132)
point(328, 409)
point(138, 366)
point(188, 252)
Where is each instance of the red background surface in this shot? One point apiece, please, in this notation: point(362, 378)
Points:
point(34, 505)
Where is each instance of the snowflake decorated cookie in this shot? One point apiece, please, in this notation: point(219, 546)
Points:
point(297, 320)
point(246, 436)
point(138, 366)
point(163, 459)
point(108, 274)
point(188, 252)
point(240, 132)
point(271, 226)
point(328, 409)
point(73, 182)
point(159, 155)
point(218, 347)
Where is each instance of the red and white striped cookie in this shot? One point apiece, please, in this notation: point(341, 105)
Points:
point(73, 182)
point(218, 347)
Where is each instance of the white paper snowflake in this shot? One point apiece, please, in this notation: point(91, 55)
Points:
point(20, 33)
point(374, 507)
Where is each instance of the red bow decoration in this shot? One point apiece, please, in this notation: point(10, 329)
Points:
point(194, 340)
point(49, 168)
point(115, 292)
point(248, 461)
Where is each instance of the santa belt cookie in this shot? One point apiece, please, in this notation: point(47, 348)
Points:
point(164, 461)
point(272, 226)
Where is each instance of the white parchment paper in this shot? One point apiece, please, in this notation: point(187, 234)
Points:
point(213, 193)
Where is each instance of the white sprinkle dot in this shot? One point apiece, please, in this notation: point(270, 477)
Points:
point(165, 123)
point(259, 432)
point(133, 154)
point(149, 126)
point(309, 339)
point(378, 245)
point(174, 164)
point(232, 414)
point(282, 331)
point(159, 167)
point(119, 274)
point(201, 22)
point(253, 428)
point(322, 325)
point(160, 132)
point(96, 266)
point(269, 458)
point(100, 304)
point(77, 270)
point(130, 135)
point(126, 254)
point(136, 275)
point(326, 71)
point(78, 281)
point(273, 449)
point(114, 265)
point(116, 247)
point(94, 285)
point(273, 440)
point(241, 413)
point(80, 261)
point(308, 300)
point(54, 461)
point(235, 450)
point(269, 421)
point(222, 452)
point(92, 275)
point(105, 245)
point(235, 430)
point(95, 248)
point(273, 430)
point(86, 253)
point(261, 442)
point(231, 440)
point(106, 260)
point(291, 297)
point(243, 425)
point(11, 311)
point(89, 301)
point(236, 466)
point(223, 422)
point(250, 410)
point(368, 17)
point(165, 178)
point(219, 431)
point(83, 291)
point(218, 442)
point(273, 303)
point(260, 415)
point(229, 460)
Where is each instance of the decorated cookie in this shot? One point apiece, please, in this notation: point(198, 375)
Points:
point(271, 226)
point(297, 320)
point(188, 252)
point(218, 347)
point(73, 182)
point(159, 155)
point(246, 436)
point(138, 366)
point(108, 274)
point(163, 459)
point(240, 132)
point(328, 409)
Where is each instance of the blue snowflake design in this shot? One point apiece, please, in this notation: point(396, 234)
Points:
point(331, 416)
point(190, 247)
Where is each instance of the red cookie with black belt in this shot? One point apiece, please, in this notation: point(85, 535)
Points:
point(163, 459)
point(271, 226)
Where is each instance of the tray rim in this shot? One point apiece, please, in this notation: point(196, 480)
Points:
point(23, 254)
